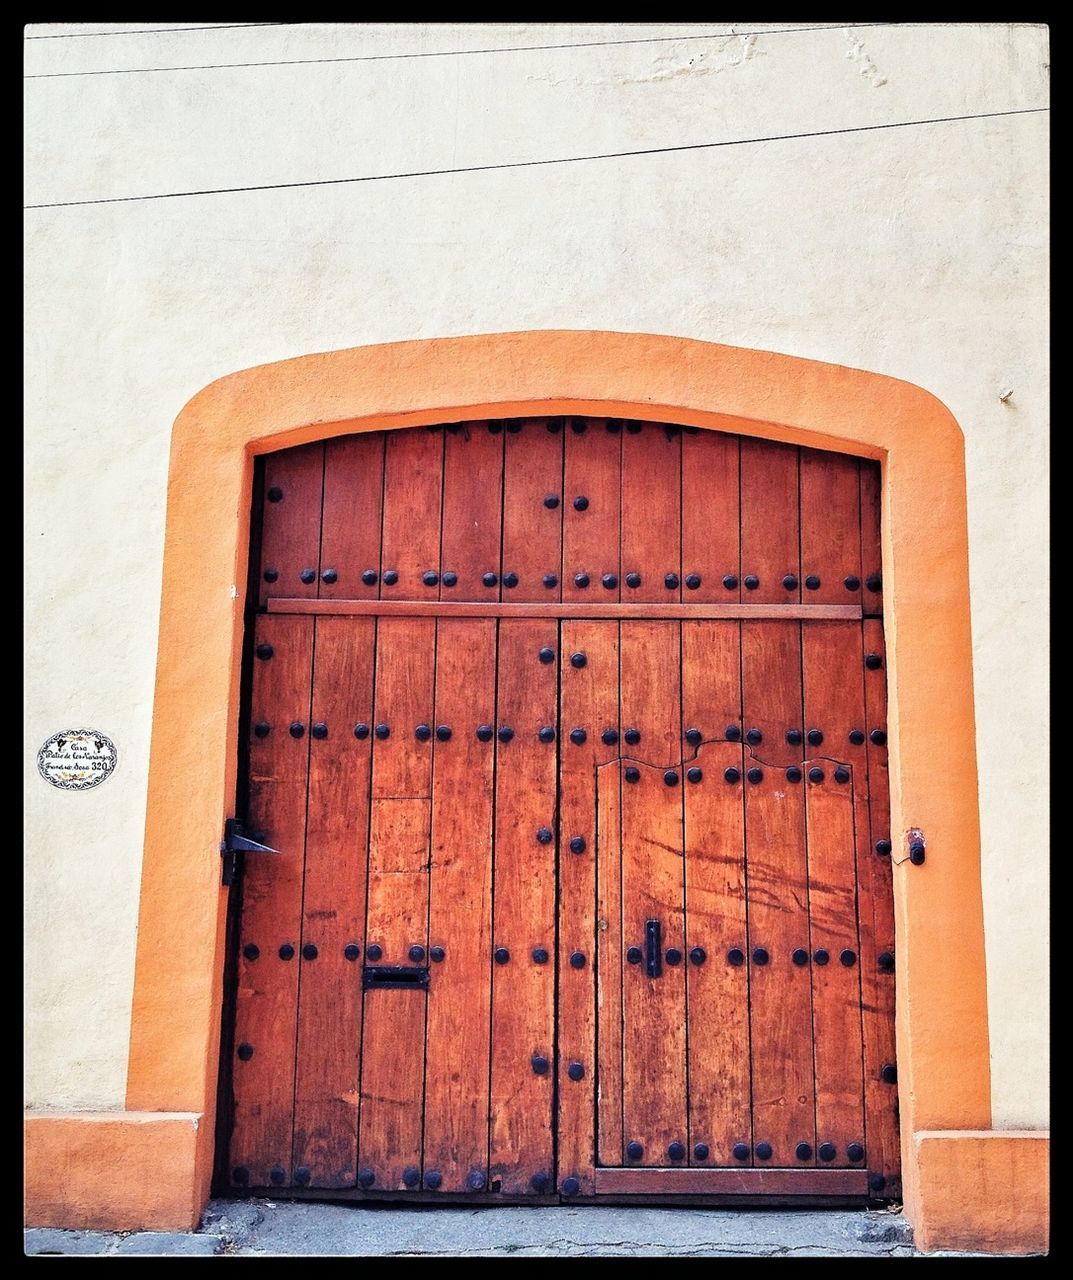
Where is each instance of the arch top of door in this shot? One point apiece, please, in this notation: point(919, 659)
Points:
point(943, 1052)
point(661, 378)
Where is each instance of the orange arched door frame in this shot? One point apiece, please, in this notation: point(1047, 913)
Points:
point(942, 1030)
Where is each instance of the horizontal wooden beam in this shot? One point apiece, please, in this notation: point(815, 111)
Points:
point(565, 609)
point(749, 1182)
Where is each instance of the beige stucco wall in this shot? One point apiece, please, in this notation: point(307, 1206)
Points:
point(918, 252)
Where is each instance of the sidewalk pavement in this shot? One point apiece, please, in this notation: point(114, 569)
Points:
point(259, 1227)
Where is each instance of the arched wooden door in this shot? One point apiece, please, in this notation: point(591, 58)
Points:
point(570, 735)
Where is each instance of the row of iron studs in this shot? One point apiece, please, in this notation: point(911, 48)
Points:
point(609, 581)
point(411, 1178)
point(540, 1182)
point(546, 656)
point(735, 956)
point(578, 735)
point(430, 577)
point(632, 774)
point(741, 1151)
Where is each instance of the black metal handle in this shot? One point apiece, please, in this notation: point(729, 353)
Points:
point(653, 949)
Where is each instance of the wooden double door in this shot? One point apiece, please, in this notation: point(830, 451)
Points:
point(576, 893)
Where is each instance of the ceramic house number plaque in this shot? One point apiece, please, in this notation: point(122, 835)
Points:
point(77, 759)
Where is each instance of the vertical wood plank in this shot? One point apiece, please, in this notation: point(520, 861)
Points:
point(611, 949)
point(711, 515)
point(832, 667)
point(711, 681)
point(650, 693)
point(717, 993)
point(402, 762)
point(836, 987)
point(871, 542)
point(592, 481)
point(588, 699)
point(267, 996)
point(779, 991)
point(333, 906)
point(770, 544)
point(651, 511)
point(832, 663)
point(353, 496)
point(392, 1073)
point(654, 1046)
point(830, 528)
point(532, 531)
point(290, 522)
point(413, 483)
point(393, 1041)
point(884, 1154)
point(460, 908)
point(472, 511)
point(523, 987)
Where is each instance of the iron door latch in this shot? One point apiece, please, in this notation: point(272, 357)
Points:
point(653, 949)
point(236, 841)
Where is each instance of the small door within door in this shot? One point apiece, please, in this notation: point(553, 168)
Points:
point(730, 998)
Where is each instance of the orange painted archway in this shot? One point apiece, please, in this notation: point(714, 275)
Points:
point(942, 1010)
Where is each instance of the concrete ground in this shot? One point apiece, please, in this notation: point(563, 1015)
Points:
point(238, 1228)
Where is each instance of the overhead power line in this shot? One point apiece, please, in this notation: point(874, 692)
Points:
point(444, 53)
point(164, 31)
point(530, 164)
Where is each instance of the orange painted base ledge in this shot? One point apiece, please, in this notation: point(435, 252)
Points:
point(985, 1190)
point(116, 1170)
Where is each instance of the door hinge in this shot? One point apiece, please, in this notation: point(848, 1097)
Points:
point(236, 841)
